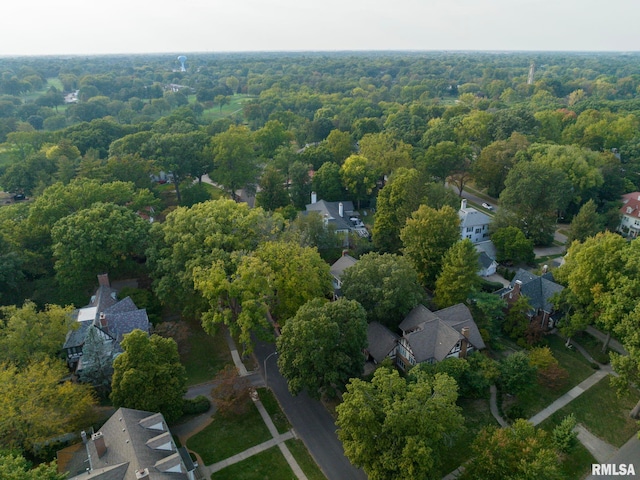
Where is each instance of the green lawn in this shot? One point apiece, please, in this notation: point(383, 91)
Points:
point(272, 407)
point(530, 403)
point(602, 413)
point(593, 346)
point(230, 434)
point(577, 464)
point(205, 355)
point(305, 460)
point(476, 416)
point(266, 465)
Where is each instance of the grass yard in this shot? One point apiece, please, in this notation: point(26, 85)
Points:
point(230, 434)
point(602, 413)
point(266, 465)
point(204, 355)
point(272, 407)
point(577, 464)
point(528, 404)
point(305, 460)
point(593, 346)
point(476, 416)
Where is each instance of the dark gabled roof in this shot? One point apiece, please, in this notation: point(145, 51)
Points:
point(381, 341)
point(485, 260)
point(76, 336)
point(124, 305)
point(432, 335)
point(340, 265)
point(415, 317)
point(331, 211)
point(131, 446)
point(539, 290)
point(458, 317)
point(119, 324)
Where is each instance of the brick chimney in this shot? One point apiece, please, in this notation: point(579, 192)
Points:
point(103, 280)
point(98, 440)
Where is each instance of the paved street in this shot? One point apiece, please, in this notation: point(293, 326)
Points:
point(311, 422)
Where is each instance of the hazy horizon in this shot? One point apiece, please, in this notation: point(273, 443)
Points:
point(73, 27)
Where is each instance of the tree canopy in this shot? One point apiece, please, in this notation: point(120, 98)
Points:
point(148, 375)
point(397, 429)
point(322, 346)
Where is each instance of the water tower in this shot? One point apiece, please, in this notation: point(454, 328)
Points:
point(182, 59)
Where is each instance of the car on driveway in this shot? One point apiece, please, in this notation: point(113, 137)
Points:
point(487, 206)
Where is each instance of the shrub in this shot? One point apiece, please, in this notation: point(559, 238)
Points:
point(195, 406)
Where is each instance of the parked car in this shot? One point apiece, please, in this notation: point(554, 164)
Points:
point(19, 196)
point(487, 206)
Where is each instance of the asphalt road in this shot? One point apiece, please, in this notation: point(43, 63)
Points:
point(310, 420)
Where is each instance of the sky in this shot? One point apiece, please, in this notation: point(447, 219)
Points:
point(62, 27)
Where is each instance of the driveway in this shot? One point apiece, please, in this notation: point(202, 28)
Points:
point(310, 420)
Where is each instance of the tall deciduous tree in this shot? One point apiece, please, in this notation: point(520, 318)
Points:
point(28, 334)
point(395, 429)
point(148, 375)
point(512, 245)
point(628, 366)
point(385, 285)
point(586, 223)
point(16, 467)
point(494, 162)
point(522, 451)
point(327, 182)
point(459, 275)
point(358, 177)
point(428, 234)
point(202, 235)
point(39, 405)
point(273, 282)
point(385, 152)
point(102, 238)
point(534, 194)
point(399, 198)
point(234, 159)
point(443, 159)
point(322, 346)
point(273, 193)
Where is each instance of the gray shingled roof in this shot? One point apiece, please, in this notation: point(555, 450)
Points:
point(381, 341)
point(485, 260)
point(331, 210)
point(131, 446)
point(539, 290)
point(76, 336)
point(470, 217)
point(459, 316)
point(340, 265)
point(415, 317)
point(432, 335)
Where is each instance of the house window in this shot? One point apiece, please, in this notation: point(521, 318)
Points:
point(401, 364)
point(478, 230)
point(469, 229)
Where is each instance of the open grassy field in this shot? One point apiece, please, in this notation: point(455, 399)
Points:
point(203, 355)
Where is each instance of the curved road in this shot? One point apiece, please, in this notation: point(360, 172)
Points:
point(310, 420)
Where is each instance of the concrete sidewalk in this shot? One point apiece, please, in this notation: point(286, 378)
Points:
point(572, 394)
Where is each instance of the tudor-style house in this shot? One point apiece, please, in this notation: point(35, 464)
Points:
point(433, 336)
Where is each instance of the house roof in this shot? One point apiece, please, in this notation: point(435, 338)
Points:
point(131, 446)
point(331, 211)
point(340, 265)
point(381, 341)
point(435, 336)
point(470, 217)
point(538, 289)
point(485, 260)
point(631, 205)
point(415, 317)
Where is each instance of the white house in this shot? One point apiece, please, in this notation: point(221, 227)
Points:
point(630, 212)
point(474, 225)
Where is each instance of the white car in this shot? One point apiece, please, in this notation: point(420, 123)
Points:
point(487, 206)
